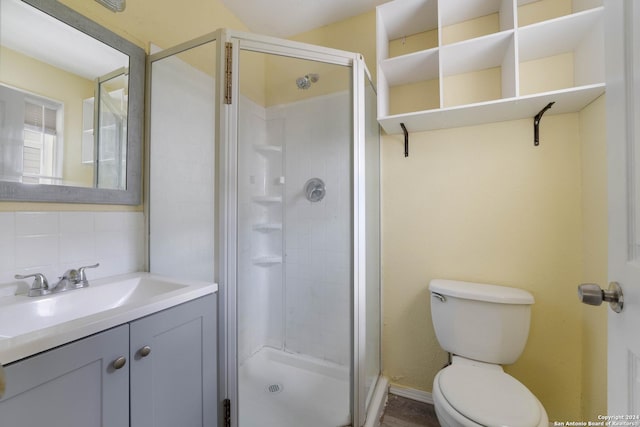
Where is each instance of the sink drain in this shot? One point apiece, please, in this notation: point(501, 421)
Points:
point(274, 388)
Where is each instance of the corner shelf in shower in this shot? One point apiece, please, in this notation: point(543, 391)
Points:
point(266, 261)
point(266, 149)
point(267, 199)
point(267, 227)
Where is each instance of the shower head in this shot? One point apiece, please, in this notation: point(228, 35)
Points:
point(305, 82)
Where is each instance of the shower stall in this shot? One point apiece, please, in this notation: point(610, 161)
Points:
point(263, 169)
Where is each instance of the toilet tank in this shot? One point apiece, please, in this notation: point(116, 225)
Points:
point(478, 321)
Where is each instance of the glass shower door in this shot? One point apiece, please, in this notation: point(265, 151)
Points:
point(294, 241)
point(263, 178)
point(181, 158)
point(111, 135)
point(372, 238)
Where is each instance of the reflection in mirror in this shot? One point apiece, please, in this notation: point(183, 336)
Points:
point(111, 138)
point(44, 70)
point(65, 106)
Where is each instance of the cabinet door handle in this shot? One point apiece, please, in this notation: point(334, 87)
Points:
point(119, 362)
point(144, 351)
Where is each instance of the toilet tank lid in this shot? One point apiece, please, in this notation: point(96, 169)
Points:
point(481, 292)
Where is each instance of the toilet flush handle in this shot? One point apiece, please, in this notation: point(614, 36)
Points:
point(438, 296)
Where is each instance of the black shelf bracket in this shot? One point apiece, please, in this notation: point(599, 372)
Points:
point(406, 139)
point(536, 124)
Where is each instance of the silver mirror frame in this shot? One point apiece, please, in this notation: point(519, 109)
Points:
point(12, 191)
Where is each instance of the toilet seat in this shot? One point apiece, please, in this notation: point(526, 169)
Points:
point(489, 397)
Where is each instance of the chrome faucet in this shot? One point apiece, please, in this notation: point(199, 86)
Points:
point(82, 276)
point(71, 279)
point(39, 287)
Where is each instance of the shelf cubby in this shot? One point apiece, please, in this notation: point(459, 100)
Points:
point(469, 19)
point(413, 43)
point(478, 70)
point(420, 85)
point(424, 95)
point(487, 66)
point(535, 11)
point(567, 52)
point(415, 24)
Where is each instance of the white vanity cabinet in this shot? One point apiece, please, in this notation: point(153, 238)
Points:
point(80, 384)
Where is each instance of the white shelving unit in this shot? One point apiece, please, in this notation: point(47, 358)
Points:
point(267, 199)
point(267, 227)
point(267, 260)
point(449, 63)
point(267, 218)
point(266, 149)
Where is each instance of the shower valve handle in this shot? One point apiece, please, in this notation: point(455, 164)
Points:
point(315, 189)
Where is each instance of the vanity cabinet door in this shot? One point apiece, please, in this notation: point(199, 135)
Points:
point(72, 385)
point(174, 367)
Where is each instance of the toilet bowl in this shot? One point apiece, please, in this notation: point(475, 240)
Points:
point(483, 327)
point(469, 394)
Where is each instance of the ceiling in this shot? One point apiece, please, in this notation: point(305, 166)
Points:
point(40, 36)
point(284, 18)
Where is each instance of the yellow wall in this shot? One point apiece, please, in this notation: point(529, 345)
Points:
point(483, 204)
point(595, 245)
point(486, 206)
point(164, 23)
point(543, 10)
point(357, 34)
point(282, 73)
point(470, 29)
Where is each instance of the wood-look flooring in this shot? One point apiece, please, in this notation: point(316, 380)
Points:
point(402, 412)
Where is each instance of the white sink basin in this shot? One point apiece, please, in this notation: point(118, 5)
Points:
point(32, 324)
point(28, 314)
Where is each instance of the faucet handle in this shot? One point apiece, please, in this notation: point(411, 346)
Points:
point(40, 285)
point(82, 276)
point(71, 275)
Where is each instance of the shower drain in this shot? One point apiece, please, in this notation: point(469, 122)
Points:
point(274, 388)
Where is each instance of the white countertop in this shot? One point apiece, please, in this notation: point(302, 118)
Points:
point(35, 341)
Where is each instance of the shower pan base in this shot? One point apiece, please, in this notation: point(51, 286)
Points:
point(283, 389)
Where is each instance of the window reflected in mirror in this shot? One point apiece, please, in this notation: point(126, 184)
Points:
point(52, 129)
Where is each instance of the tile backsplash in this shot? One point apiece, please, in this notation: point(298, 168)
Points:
point(53, 242)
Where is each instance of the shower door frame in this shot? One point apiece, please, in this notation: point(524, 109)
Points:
point(226, 207)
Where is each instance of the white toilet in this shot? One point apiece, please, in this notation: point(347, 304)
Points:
point(483, 327)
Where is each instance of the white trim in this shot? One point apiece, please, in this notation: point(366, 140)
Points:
point(411, 393)
point(359, 248)
point(277, 46)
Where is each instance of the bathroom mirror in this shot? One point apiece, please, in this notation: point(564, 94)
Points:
point(71, 107)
